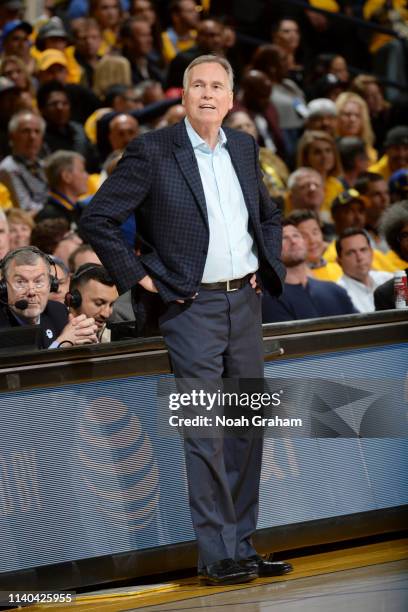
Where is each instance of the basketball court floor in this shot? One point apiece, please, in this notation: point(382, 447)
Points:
point(369, 578)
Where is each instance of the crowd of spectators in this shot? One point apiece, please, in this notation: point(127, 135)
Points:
point(322, 86)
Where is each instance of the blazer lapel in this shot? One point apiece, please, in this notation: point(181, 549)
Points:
point(187, 162)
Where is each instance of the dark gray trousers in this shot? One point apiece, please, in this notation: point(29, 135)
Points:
point(219, 335)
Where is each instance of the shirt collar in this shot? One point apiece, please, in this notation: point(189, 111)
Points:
point(28, 163)
point(198, 142)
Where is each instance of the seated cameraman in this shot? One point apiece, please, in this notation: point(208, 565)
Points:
point(92, 293)
point(24, 300)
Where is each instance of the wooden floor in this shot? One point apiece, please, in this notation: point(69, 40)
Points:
point(371, 578)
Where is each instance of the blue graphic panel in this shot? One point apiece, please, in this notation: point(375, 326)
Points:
point(85, 473)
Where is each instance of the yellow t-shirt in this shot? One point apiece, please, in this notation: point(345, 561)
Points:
point(332, 188)
point(170, 50)
point(329, 272)
point(395, 262)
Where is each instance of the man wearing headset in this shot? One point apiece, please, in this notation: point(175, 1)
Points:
point(92, 293)
point(24, 297)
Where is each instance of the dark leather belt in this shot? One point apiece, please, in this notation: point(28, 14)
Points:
point(231, 285)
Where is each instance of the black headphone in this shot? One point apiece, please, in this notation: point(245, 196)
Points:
point(54, 283)
point(73, 299)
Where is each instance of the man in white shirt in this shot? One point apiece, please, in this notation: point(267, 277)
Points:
point(355, 256)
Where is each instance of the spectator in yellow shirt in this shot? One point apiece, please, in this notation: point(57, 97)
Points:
point(181, 35)
point(396, 152)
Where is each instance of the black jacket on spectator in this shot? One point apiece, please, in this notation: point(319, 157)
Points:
point(317, 299)
point(58, 207)
point(52, 322)
point(73, 138)
point(83, 101)
point(153, 70)
point(384, 298)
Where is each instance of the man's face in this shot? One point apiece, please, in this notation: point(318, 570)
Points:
point(144, 9)
point(27, 139)
point(398, 156)
point(55, 72)
point(122, 130)
point(57, 109)
point(326, 123)
point(350, 215)
point(16, 43)
point(86, 257)
point(87, 42)
point(208, 96)
point(63, 285)
point(141, 42)
point(308, 192)
point(210, 36)
point(97, 301)
point(188, 14)
point(67, 246)
point(313, 237)
point(293, 247)
point(78, 176)
point(55, 42)
point(31, 283)
point(356, 257)
point(378, 196)
point(107, 13)
point(4, 239)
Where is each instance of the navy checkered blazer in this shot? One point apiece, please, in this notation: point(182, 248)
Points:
point(158, 180)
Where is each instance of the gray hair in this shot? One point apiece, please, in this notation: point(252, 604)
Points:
point(297, 174)
point(24, 256)
point(209, 59)
point(16, 119)
point(392, 222)
point(56, 163)
point(321, 107)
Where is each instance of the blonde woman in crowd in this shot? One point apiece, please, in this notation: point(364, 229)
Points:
point(353, 119)
point(20, 227)
point(111, 70)
point(317, 150)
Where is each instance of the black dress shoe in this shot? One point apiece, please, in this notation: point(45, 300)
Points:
point(266, 568)
point(226, 571)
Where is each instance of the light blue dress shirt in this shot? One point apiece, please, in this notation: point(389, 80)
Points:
point(232, 252)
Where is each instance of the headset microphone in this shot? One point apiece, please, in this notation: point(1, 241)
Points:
point(20, 304)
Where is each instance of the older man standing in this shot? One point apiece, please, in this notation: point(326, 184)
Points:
point(22, 172)
point(207, 225)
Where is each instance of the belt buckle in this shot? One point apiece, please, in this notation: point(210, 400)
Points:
point(229, 288)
